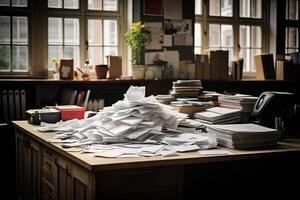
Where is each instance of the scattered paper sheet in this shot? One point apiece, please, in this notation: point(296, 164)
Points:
point(135, 126)
point(212, 152)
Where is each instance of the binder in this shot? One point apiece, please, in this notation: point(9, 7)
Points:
point(23, 104)
point(17, 105)
point(86, 100)
point(68, 97)
point(11, 104)
point(5, 105)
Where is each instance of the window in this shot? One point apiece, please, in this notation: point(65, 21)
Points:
point(63, 39)
point(100, 20)
point(292, 10)
point(250, 8)
point(102, 40)
point(250, 45)
point(14, 38)
point(236, 26)
point(198, 39)
point(221, 37)
point(291, 40)
point(220, 8)
point(292, 30)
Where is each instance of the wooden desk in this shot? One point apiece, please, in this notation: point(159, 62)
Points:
point(47, 171)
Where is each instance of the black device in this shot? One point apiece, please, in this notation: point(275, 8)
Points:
point(36, 116)
point(277, 110)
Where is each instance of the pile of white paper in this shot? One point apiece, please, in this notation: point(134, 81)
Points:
point(135, 126)
point(219, 115)
point(243, 136)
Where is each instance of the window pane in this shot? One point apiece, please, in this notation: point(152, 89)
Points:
point(256, 8)
point(256, 36)
point(95, 4)
point(214, 7)
point(245, 8)
point(198, 35)
point(226, 36)
point(4, 2)
point(111, 5)
point(20, 58)
point(214, 35)
point(71, 4)
point(248, 56)
point(198, 7)
point(292, 9)
point(292, 40)
point(95, 55)
point(19, 3)
point(245, 36)
point(4, 57)
point(55, 31)
point(226, 8)
point(4, 30)
point(109, 51)
point(71, 31)
point(72, 52)
point(20, 30)
point(54, 52)
point(54, 3)
point(110, 32)
point(95, 31)
point(251, 8)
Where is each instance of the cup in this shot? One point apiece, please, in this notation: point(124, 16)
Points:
point(101, 71)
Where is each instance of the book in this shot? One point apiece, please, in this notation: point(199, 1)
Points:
point(23, 104)
point(264, 66)
point(68, 97)
point(17, 104)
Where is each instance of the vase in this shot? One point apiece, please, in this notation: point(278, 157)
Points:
point(138, 72)
point(101, 71)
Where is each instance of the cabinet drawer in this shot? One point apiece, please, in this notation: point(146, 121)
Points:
point(48, 191)
point(48, 153)
point(49, 170)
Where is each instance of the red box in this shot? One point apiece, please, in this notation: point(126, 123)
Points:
point(68, 112)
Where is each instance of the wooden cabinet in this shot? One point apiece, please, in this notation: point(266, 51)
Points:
point(43, 174)
point(28, 167)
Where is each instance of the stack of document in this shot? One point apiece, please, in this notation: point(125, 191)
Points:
point(239, 101)
point(186, 88)
point(243, 136)
point(135, 126)
point(219, 115)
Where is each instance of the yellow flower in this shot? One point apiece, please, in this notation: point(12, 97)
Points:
point(54, 59)
point(137, 26)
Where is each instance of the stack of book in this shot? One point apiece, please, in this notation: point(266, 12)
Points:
point(218, 115)
point(243, 136)
point(239, 101)
point(186, 88)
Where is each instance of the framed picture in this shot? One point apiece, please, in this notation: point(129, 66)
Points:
point(153, 7)
point(66, 69)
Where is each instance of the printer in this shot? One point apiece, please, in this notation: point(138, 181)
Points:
point(277, 110)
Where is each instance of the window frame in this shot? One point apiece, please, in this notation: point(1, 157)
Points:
point(21, 11)
point(235, 21)
point(83, 13)
point(291, 23)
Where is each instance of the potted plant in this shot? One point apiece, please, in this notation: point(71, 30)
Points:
point(137, 37)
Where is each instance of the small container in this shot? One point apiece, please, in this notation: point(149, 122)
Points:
point(101, 71)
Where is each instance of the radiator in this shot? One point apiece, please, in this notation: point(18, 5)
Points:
point(13, 105)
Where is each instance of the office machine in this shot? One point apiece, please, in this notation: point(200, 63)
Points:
point(277, 110)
